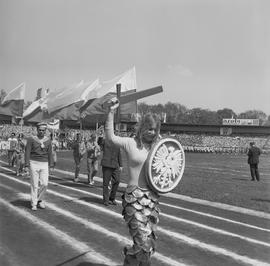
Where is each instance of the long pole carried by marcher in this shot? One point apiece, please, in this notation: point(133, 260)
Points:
point(21, 122)
point(80, 124)
point(118, 114)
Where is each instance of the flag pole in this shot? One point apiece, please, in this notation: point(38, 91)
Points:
point(97, 125)
point(80, 124)
point(118, 114)
point(21, 122)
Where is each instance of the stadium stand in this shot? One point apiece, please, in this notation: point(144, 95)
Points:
point(190, 142)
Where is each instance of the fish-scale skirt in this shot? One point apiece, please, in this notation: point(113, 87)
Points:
point(141, 211)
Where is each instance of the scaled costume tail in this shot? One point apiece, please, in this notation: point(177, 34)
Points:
point(140, 211)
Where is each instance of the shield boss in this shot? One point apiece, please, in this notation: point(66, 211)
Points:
point(165, 165)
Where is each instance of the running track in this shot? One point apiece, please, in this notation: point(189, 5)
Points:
point(76, 229)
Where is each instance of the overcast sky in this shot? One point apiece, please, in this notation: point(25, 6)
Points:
point(205, 53)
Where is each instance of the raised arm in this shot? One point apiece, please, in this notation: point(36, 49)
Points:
point(109, 129)
point(27, 152)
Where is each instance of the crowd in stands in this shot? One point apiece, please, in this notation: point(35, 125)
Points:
point(220, 144)
point(190, 142)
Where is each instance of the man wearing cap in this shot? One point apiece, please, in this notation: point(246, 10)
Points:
point(253, 160)
point(38, 157)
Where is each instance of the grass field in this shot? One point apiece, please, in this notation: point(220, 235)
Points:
point(191, 231)
point(221, 178)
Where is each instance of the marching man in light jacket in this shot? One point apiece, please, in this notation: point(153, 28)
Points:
point(38, 157)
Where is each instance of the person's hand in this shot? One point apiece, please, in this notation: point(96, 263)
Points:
point(111, 104)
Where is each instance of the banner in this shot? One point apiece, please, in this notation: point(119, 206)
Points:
point(16, 94)
point(240, 122)
point(31, 108)
point(106, 90)
point(63, 97)
point(54, 125)
point(12, 104)
point(4, 145)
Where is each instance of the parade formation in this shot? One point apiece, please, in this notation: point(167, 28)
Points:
point(134, 133)
point(155, 165)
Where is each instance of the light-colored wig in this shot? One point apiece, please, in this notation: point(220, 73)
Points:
point(145, 122)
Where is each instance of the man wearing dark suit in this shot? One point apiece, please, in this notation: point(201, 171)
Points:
point(111, 167)
point(79, 150)
point(253, 161)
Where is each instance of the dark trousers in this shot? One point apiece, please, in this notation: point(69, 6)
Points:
point(133, 261)
point(92, 168)
point(254, 171)
point(77, 161)
point(11, 157)
point(113, 175)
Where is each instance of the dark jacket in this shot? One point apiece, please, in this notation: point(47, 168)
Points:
point(253, 155)
point(34, 151)
point(111, 155)
point(78, 149)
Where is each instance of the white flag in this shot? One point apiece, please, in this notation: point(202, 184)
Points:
point(16, 94)
point(68, 95)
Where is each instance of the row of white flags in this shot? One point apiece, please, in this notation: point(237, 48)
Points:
point(82, 92)
point(17, 93)
point(12, 103)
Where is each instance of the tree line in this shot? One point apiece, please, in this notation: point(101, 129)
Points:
point(180, 114)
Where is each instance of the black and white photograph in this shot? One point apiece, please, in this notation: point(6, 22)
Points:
point(135, 132)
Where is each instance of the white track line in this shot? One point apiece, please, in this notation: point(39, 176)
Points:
point(216, 230)
point(90, 225)
point(168, 205)
point(10, 257)
point(177, 207)
point(219, 205)
point(223, 206)
point(175, 235)
point(195, 200)
point(213, 248)
point(165, 204)
point(215, 217)
point(76, 245)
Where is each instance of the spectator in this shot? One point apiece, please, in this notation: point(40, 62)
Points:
point(38, 156)
point(253, 160)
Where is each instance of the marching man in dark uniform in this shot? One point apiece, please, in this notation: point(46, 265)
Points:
point(78, 152)
point(38, 157)
point(253, 160)
point(111, 168)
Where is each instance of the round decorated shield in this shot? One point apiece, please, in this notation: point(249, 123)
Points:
point(165, 165)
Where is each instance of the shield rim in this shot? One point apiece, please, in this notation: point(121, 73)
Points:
point(150, 160)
